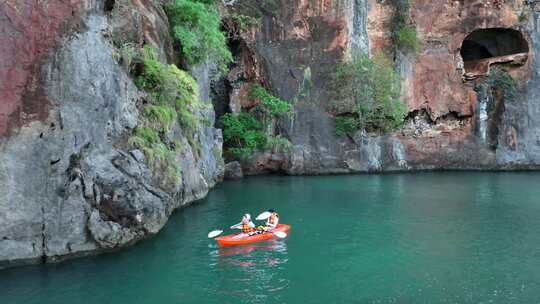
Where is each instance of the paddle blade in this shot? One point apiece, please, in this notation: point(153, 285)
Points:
point(214, 233)
point(280, 234)
point(263, 216)
point(237, 226)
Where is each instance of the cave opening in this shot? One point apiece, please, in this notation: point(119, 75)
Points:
point(221, 88)
point(109, 5)
point(484, 47)
point(228, 90)
point(493, 42)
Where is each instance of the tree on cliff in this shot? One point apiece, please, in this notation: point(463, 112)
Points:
point(367, 95)
point(196, 29)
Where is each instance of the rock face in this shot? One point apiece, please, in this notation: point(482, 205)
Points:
point(70, 184)
point(294, 49)
point(233, 170)
point(28, 32)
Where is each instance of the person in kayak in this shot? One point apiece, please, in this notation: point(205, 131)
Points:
point(247, 225)
point(273, 220)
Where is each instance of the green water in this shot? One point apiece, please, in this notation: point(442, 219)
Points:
point(423, 238)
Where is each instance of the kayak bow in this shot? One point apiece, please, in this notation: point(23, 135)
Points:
point(242, 238)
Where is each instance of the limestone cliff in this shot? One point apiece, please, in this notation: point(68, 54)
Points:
point(70, 183)
point(450, 125)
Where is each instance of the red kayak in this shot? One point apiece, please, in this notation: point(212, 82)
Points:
point(242, 238)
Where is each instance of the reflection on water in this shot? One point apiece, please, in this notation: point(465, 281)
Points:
point(269, 246)
point(258, 269)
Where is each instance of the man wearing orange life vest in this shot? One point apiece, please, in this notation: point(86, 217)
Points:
point(273, 220)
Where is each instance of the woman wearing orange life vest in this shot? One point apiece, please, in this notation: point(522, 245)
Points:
point(273, 220)
point(247, 225)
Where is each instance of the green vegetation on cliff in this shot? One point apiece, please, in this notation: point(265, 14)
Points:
point(404, 35)
point(195, 27)
point(500, 79)
point(407, 39)
point(270, 103)
point(367, 95)
point(242, 134)
point(171, 91)
point(347, 125)
point(244, 22)
point(247, 132)
point(172, 97)
point(254, 9)
point(366, 91)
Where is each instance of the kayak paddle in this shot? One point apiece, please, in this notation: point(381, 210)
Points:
point(214, 233)
point(280, 234)
point(263, 216)
point(237, 226)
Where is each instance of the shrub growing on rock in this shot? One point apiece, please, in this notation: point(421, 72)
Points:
point(171, 97)
point(278, 144)
point(170, 90)
point(158, 154)
point(244, 22)
point(347, 125)
point(407, 39)
point(368, 90)
point(270, 104)
point(195, 27)
point(500, 79)
point(404, 34)
point(244, 133)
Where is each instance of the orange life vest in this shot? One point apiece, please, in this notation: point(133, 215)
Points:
point(246, 228)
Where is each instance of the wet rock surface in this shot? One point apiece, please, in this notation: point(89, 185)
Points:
point(233, 171)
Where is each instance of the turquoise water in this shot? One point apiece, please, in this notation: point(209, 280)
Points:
point(422, 238)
